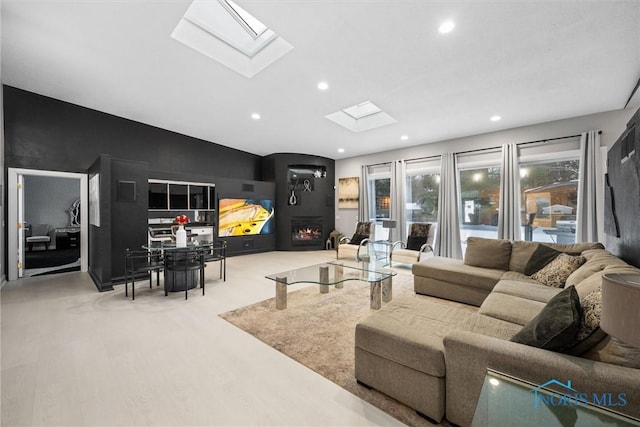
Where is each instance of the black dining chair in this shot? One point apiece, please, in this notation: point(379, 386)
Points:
point(216, 252)
point(138, 262)
point(183, 264)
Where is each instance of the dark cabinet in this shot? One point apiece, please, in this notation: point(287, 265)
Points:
point(158, 195)
point(67, 238)
point(178, 196)
point(198, 197)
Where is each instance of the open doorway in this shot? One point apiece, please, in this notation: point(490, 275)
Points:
point(50, 210)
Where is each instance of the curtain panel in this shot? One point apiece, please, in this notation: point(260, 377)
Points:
point(588, 186)
point(447, 239)
point(509, 218)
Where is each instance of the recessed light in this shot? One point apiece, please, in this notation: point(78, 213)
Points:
point(255, 116)
point(323, 86)
point(404, 137)
point(446, 27)
point(495, 118)
point(340, 150)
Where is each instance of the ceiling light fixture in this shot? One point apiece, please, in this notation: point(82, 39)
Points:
point(255, 116)
point(495, 118)
point(323, 85)
point(340, 150)
point(404, 137)
point(446, 27)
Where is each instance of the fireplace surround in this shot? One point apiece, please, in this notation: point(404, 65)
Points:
point(307, 232)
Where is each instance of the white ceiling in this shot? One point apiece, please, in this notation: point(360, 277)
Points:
point(529, 62)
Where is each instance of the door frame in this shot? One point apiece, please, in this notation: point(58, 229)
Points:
point(12, 205)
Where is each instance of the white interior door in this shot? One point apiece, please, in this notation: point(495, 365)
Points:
point(21, 249)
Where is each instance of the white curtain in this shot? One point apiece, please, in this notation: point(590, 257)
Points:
point(363, 210)
point(509, 219)
point(588, 186)
point(398, 180)
point(447, 239)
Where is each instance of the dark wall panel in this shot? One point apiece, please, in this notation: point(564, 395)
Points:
point(623, 194)
point(45, 133)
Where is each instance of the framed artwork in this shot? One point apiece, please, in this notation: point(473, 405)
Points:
point(348, 193)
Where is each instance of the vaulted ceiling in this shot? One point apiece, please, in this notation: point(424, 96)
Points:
point(526, 61)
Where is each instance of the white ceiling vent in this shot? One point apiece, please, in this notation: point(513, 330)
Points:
point(228, 34)
point(361, 117)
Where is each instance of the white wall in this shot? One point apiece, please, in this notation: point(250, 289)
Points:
point(611, 123)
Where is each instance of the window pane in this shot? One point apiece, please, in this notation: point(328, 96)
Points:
point(380, 194)
point(422, 198)
point(480, 196)
point(550, 200)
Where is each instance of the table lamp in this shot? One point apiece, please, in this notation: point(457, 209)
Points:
point(621, 307)
point(389, 224)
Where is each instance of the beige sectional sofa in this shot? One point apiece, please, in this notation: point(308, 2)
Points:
point(432, 355)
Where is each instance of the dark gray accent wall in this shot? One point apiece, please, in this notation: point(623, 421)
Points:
point(624, 194)
point(317, 203)
point(49, 134)
point(123, 218)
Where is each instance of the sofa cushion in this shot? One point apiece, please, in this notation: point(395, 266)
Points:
point(597, 260)
point(513, 309)
point(518, 277)
point(534, 291)
point(542, 256)
point(488, 253)
point(522, 251)
point(555, 327)
point(455, 271)
point(555, 273)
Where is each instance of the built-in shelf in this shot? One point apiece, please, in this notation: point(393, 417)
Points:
point(180, 195)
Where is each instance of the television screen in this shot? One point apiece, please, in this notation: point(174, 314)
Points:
point(245, 217)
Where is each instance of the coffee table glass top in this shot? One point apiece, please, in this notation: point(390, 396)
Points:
point(338, 272)
point(505, 400)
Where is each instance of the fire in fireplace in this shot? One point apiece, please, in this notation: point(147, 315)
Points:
point(307, 232)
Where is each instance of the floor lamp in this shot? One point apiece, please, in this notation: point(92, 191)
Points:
point(389, 224)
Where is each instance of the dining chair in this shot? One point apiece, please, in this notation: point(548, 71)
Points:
point(216, 252)
point(141, 261)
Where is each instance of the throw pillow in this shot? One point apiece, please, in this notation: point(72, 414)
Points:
point(415, 242)
point(542, 256)
point(556, 272)
point(488, 253)
point(358, 238)
point(555, 327)
point(592, 309)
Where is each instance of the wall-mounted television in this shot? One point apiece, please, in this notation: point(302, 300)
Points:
point(245, 217)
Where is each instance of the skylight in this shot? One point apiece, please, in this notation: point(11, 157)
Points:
point(360, 117)
point(363, 109)
point(225, 32)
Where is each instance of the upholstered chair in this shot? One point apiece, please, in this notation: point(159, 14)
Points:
point(355, 246)
point(419, 242)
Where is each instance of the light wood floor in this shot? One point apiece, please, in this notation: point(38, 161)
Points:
point(74, 357)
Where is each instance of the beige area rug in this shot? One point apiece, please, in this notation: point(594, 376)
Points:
point(318, 330)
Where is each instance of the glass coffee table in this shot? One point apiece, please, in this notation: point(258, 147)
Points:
point(335, 273)
point(507, 400)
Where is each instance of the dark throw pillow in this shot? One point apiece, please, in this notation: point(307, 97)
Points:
point(542, 256)
point(358, 238)
point(556, 326)
point(415, 242)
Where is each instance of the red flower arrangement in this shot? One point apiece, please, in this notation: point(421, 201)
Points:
point(182, 219)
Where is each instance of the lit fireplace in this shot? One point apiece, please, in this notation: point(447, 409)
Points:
point(307, 231)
